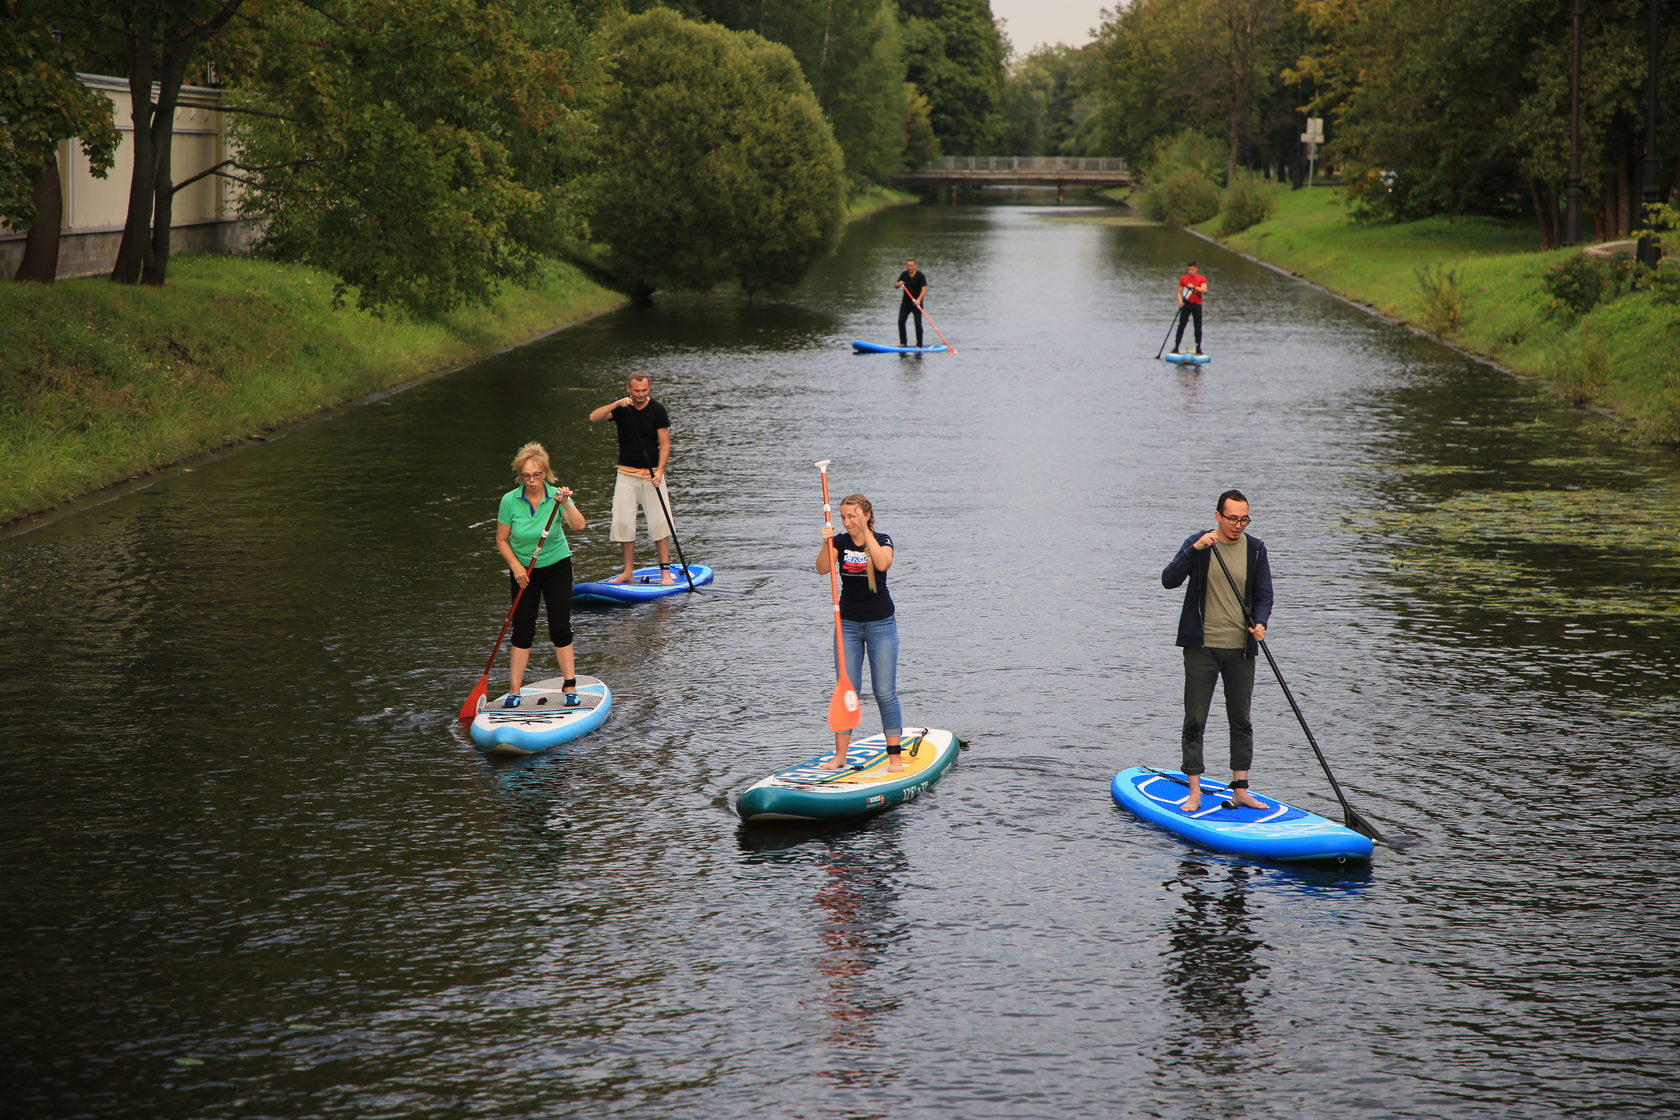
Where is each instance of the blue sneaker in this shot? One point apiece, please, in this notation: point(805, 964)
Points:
point(572, 700)
point(512, 700)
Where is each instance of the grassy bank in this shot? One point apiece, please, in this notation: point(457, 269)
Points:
point(861, 204)
point(1478, 283)
point(100, 382)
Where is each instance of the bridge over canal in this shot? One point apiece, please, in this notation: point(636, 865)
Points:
point(1060, 172)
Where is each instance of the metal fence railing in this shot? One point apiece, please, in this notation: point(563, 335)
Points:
point(1027, 163)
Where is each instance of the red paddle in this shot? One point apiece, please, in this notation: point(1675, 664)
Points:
point(843, 714)
point(475, 698)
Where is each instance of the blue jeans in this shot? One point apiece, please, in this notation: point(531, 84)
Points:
point(881, 640)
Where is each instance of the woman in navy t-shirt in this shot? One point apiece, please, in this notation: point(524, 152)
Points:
point(867, 623)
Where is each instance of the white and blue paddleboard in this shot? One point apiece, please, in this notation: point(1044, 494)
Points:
point(1279, 831)
point(643, 585)
point(883, 348)
point(807, 792)
point(542, 719)
point(1186, 359)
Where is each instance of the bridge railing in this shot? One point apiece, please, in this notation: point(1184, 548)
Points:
point(1026, 163)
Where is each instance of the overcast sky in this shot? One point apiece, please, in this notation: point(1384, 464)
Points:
point(1032, 23)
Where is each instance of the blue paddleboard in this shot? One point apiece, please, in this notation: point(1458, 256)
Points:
point(644, 585)
point(1186, 359)
point(542, 720)
point(807, 792)
point(1279, 831)
point(881, 348)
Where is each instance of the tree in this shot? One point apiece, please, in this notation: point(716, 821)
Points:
point(423, 153)
point(716, 162)
point(1042, 102)
point(46, 104)
point(852, 54)
point(955, 55)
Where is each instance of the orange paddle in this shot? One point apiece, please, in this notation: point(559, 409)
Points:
point(843, 714)
point(475, 699)
point(949, 349)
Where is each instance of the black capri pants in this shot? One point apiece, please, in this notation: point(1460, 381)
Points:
point(551, 584)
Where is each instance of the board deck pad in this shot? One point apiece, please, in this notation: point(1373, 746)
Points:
point(1279, 831)
point(542, 719)
point(805, 791)
point(643, 585)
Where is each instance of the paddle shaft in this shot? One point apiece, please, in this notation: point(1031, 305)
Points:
point(843, 709)
point(1352, 819)
point(929, 318)
point(469, 707)
point(669, 523)
point(1177, 315)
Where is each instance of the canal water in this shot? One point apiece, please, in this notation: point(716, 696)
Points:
point(251, 868)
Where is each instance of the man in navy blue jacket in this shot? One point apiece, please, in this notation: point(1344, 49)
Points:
point(1219, 644)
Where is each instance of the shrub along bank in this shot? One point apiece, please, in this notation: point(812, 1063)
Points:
point(1572, 321)
point(102, 382)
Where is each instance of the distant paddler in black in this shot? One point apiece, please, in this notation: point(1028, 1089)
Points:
point(914, 284)
point(1192, 286)
point(526, 512)
point(644, 449)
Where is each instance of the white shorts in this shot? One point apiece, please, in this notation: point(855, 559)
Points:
point(630, 492)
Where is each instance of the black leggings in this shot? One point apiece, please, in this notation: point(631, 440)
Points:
point(551, 584)
point(905, 310)
point(1190, 311)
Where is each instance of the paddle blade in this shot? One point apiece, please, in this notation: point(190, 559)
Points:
point(475, 699)
point(843, 714)
point(1362, 826)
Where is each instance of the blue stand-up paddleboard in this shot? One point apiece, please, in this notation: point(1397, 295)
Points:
point(1279, 831)
point(807, 792)
point(1186, 359)
point(882, 348)
point(542, 719)
point(644, 585)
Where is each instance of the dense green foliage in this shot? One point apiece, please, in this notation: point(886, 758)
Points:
point(955, 54)
point(1580, 282)
point(716, 162)
point(1044, 104)
point(45, 104)
point(1429, 108)
point(421, 153)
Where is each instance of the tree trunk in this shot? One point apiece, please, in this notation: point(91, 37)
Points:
point(40, 246)
point(136, 243)
point(156, 269)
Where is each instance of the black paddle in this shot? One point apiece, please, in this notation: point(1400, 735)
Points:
point(1177, 315)
point(669, 524)
point(1350, 818)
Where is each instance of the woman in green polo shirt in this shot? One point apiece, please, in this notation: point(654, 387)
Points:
point(526, 510)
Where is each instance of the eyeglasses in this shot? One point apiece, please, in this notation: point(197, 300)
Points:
point(1234, 520)
point(530, 474)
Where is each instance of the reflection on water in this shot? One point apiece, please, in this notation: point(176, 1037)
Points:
point(1213, 967)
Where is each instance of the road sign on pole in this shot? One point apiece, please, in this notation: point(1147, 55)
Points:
point(1312, 138)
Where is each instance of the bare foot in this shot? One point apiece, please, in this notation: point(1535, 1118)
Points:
point(1247, 800)
point(667, 578)
point(623, 577)
point(1192, 804)
point(894, 764)
point(831, 764)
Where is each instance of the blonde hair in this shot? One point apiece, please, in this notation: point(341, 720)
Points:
point(533, 450)
point(867, 508)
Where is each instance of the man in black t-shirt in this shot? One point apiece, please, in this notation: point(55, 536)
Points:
point(644, 448)
point(913, 283)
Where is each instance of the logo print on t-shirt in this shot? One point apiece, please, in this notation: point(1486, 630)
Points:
point(853, 563)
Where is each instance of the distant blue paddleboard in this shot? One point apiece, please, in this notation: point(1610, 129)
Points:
point(1186, 359)
point(644, 585)
point(807, 792)
point(880, 348)
point(1279, 831)
point(542, 719)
